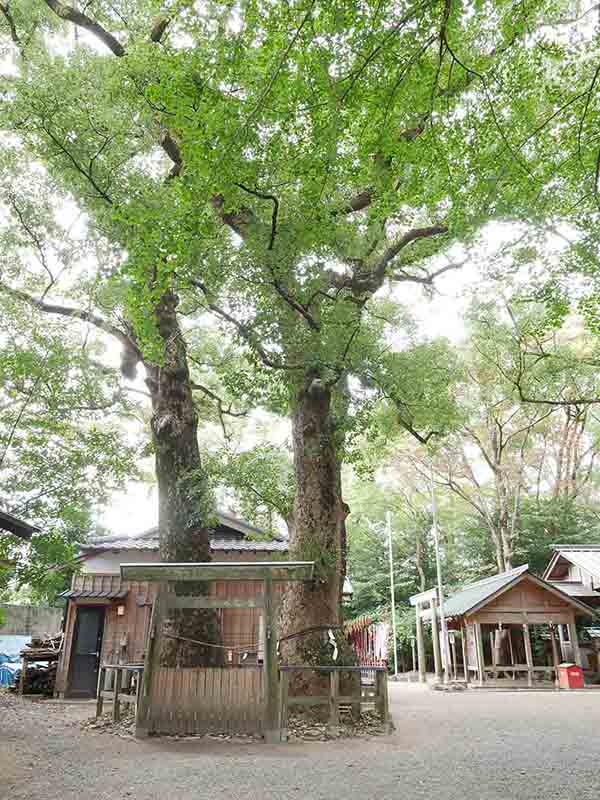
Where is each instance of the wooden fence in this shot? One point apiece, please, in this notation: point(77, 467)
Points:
point(207, 700)
point(375, 695)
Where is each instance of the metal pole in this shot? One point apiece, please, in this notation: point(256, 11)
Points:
point(438, 564)
point(388, 518)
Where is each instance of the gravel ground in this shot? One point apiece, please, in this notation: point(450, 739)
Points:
point(447, 746)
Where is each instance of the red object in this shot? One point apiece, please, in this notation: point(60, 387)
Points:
point(570, 676)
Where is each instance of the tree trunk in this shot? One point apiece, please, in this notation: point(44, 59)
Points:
point(184, 499)
point(319, 531)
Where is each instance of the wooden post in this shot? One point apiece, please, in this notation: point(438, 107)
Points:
point(270, 671)
point(284, 679)
point(528, 654)
point(465, 653)
point(151, 661)
point(575, 644)
point(116, 706)
point(512, 653)
point(561, 640)
point(555, 659)
point(420, 647)
point(22, 675)
point(437, 656)
point(480, 655)
point(334, 704)
point(381, 683)
point(99, 697)
point(493, 648)
point(453, 653)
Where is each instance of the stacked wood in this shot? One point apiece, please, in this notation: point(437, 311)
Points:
point(39, 678)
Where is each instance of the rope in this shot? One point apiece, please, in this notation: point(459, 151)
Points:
point(314, 629)
point(237, 649)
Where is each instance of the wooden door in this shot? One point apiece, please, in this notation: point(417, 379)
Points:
point(85, 651)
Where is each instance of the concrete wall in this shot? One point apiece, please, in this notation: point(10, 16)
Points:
point(30, 620)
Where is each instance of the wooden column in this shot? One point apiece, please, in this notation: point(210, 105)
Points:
point(381, 684)
point(421, 647)
point(465, 653)
point(453, 657)
point(575, 644)
point(437, 656)
point(151, 661)
point(480, 656)
point(493, 649)
point(272, 732)
point(116, 705)
point(99, 696)
point(334, 703)
point(555, 658)
point(561, 640)
point(528, 654)
point(284, 679)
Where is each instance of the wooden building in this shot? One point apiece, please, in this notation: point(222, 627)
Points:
point(494, 619)
point(107, 617)
point(575, 570)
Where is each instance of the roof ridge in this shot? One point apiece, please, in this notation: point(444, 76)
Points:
point(508, 573)
point(575, 546)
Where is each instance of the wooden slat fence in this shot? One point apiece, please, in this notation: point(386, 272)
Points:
point(201, 700)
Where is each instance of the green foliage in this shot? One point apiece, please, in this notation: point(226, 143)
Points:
point(261, 479)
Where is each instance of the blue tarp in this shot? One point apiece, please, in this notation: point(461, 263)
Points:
point(7, 674)
point(12, 645)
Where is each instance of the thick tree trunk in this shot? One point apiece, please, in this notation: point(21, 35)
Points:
point(184, 499)
point(319, 532)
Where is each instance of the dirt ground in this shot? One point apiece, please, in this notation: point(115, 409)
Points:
point(447, 745)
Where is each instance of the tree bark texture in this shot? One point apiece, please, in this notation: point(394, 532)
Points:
point(319, 532)
point(184, 499)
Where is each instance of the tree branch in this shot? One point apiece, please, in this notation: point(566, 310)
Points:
point(275, 201)
point(71, 14)
point(396, 248)
point(5, 11)
point(244, 331)
point(72, 313)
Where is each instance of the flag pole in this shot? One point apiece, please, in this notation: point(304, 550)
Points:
point(388, 519)
point(440, 586)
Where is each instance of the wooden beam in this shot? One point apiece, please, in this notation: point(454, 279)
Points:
point(423, 597)
point(224, 570)
point(181, 601)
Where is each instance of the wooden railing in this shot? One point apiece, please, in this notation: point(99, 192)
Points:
point(120, 678)
point(376, 695)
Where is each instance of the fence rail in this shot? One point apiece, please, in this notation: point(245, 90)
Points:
point(376, 695)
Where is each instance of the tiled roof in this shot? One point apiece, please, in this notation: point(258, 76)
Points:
point(586, 557)
point(229, 534)
point(91, 593)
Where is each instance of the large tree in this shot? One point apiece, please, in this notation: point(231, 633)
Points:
point(275, 165)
